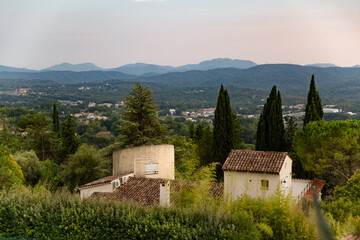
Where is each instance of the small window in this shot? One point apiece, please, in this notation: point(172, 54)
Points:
point(151, 168)
point(264, 184)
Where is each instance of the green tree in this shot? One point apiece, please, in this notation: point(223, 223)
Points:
point(313, 109)
point(70, 142)
point(56, 122)
point(141, 125)
point(223, 133)
point(205, 147)
point(30, 166)
point(10, 171)
point(199, 132)
point(192, 131)
point(83, 167)
point(270, 131)
point(290, 130)
point(40, 138)
point(4, 137)
point(330, 149)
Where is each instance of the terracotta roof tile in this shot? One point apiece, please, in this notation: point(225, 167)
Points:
point(146, 191)
point(102, 181)
point(254, 161)
point(350, 237)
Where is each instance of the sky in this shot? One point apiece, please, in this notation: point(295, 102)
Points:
point(109, 33)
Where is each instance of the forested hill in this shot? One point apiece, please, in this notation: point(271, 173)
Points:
point(290, 78)
point(67, 76)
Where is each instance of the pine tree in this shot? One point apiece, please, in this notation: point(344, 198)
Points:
point(141, 125)
point(56, 122)
point(313, 110)
point(270, 131)
point(223, 133)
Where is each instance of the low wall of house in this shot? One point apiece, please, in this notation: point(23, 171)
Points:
point(238, 184)
point(135, 160)
point(86, 192)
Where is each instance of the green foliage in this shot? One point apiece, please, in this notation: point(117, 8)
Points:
point(41, 215)
point(83, 167)
point(270, 131)
point(70, 142)
point(330, 149)
point(351, 190)
point(192, 131)
point(276, 217)
point(290, 130)
point(10, 171)
point(141, 125)
point(30, 166)
point(223, 133)
point(205, 147)
point(51, 174)
point(56, 121)
point(313, 108)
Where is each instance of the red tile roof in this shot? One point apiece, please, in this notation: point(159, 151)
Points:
point(254, 161)
point(101, 181)
point(146, 191)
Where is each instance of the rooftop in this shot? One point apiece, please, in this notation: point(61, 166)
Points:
point(254, 161)
point(102, 181)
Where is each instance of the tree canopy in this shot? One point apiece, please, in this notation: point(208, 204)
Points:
point(313, 109)
point(10, 171)
point(270, 131)
point(330, 149)
point(140, 125)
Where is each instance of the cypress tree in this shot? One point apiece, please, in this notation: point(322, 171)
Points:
point(192, 131)
point(270, 131)
point(205, 147)
point(56, 122)
point(223, 134)
point(69, 139)
point(313, 109)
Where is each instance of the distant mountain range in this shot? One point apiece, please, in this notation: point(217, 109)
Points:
point(73, 67)
point(290, 79)
point(321, 65)
point(13, 69)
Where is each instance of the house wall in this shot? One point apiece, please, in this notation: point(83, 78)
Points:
point(85, 193)
point(237, 184)
point(134, 160)
point(286, 176)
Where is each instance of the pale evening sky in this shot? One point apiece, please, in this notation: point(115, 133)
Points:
point(110, 33)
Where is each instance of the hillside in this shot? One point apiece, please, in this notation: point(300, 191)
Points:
point(289, 78)
point(67, 76)
point(73, 67)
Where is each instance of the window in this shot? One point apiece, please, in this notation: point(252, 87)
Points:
point(151, 168)
point(265, 184)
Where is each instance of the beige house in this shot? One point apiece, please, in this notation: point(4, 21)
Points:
point(256, 173)
point(150, 161)
point(259, 174)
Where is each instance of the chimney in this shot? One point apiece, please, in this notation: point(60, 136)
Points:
point(165, 193)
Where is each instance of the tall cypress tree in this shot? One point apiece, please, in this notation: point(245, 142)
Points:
point(69, 139)
point(223, 134)
point(313, 110)
point(270, 131)
point(56, 122)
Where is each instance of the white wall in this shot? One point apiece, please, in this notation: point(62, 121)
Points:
point(237, 184)
point(286, 176)
point(85, 193)
point(134, 160)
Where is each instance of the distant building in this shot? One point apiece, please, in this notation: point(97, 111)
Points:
point(172, 111)
point(92, 104)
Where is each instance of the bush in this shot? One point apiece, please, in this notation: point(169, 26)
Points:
point(36, 213)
